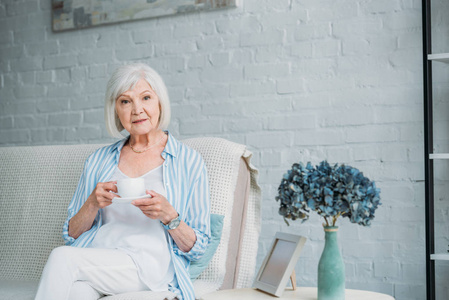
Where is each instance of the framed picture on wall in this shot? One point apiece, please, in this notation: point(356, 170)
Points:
point(76, 14)
point(279, 263)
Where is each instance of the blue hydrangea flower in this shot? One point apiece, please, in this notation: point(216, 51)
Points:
point(331, 191)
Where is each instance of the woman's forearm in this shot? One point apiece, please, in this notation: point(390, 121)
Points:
point(83, 220)
point(183, 236)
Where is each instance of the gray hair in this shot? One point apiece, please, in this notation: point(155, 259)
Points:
point(125, 78)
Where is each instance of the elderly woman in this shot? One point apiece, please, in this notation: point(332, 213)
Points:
point(148, 244)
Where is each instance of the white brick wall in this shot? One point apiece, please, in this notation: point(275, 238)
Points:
point(295, 80)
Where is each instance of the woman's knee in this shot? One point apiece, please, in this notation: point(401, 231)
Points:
point(61, 255)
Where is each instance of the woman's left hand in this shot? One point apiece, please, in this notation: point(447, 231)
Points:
point(156, 207)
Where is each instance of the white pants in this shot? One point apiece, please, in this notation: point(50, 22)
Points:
point(87, 273)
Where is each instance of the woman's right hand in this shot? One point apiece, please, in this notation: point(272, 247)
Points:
point(103, 194)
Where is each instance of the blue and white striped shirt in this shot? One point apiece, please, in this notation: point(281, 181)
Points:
point(187, 186)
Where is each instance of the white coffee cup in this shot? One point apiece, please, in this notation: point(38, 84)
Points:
point(131, 187)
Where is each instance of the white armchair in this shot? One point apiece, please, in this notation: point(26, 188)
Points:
point(37, 183)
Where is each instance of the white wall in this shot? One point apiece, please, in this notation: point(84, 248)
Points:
point(295, 80)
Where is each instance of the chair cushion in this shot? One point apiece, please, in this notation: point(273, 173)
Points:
point(36, 184)
point(18, 289)
point(216, 228)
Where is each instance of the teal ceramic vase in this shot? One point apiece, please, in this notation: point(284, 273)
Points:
point(331, 270)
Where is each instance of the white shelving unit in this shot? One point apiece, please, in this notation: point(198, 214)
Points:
point(441, 57)
point(440, 256)
point(439, 156)
point(430, 159)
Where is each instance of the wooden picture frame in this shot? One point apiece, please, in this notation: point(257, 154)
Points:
point(279, 263)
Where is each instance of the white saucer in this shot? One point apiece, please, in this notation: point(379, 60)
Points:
point(129, 199)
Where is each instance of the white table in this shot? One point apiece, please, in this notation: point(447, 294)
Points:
point(302, 293)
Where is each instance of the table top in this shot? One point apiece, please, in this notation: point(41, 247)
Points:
point(302, 293)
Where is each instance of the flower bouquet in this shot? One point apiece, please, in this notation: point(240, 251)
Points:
point(331, 191)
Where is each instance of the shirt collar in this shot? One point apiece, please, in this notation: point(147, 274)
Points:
point(119, 144)
point(170, 148)
point(172, 145)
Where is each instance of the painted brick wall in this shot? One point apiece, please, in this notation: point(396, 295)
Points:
point(295, 80)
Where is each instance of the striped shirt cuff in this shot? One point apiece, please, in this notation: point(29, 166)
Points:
point(198, 249)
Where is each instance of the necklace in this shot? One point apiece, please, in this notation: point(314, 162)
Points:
point(147, 148)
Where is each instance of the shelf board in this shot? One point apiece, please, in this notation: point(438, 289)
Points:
point(439, 256)
point(442, 57)
point(439, 156)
